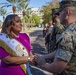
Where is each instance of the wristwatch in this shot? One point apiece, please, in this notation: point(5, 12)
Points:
point(28, 58)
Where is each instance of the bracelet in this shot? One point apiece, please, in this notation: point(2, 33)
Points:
point(28, 58)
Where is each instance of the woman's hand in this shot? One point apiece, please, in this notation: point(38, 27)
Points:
point(31, 58)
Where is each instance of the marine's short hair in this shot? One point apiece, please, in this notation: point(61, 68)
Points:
point(67, 3)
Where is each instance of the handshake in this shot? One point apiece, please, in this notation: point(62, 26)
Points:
point(38, 60)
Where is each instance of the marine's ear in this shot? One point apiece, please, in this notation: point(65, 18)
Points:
point(68, 12)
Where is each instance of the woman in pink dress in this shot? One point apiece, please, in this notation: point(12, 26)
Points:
point(11, 62)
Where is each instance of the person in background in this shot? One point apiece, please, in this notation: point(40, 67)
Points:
point(45, 38)
point(64, 57)
point(56, 31)
point(15, 51)
point(44, 31)
point(48, 34)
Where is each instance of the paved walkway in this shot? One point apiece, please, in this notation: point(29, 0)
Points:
point(37, 43)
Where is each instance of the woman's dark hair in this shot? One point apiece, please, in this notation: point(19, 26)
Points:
point(7, 25)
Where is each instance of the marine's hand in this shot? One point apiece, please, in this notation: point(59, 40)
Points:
point(40, 61)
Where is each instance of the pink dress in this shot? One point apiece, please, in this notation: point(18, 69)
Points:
point(10, 69)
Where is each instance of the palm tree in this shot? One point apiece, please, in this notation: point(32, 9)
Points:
point(3, 12)
point(13, 4)
point(23, 5)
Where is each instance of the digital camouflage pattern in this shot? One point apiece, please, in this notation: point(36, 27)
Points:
point(57, 30)
point(67, 49)
point(48, 38)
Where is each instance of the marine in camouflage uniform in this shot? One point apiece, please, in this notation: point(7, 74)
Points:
point(49, 32)
point(67, 49)
point(64, 57)
point(56, 32)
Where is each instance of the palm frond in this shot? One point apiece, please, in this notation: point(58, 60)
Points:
point(3, 3)
point(12, 1)
point(3, 11)
point(5, 6)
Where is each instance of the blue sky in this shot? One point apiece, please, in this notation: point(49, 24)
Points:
point(38, 3)
point(33, 3)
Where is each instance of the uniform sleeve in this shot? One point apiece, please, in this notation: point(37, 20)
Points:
point(59, 29)
point(3, 53)
point(65, 50)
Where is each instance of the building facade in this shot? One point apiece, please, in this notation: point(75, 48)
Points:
point(34, 11)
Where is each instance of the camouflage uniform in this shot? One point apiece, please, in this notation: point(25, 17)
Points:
point(48, 37)
point(57, 30)
point(67, 49)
